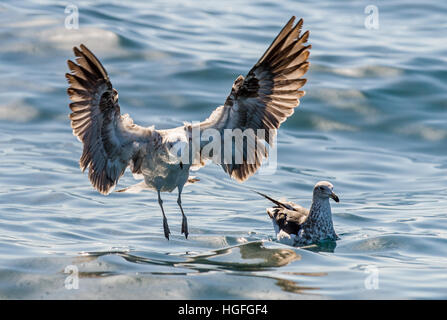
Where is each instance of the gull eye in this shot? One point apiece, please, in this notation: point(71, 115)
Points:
point(321, 188)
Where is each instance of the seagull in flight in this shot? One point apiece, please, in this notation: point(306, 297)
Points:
point(263, 99)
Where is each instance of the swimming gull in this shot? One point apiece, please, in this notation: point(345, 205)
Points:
point(262, 100)
point(298, 226)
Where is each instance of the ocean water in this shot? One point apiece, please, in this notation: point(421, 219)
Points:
point(373, 122)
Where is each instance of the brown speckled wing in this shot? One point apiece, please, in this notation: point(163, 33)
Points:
point(288, 216)
point(111, 141)
point(266, 97)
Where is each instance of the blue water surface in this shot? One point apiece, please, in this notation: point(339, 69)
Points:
point(373, 122)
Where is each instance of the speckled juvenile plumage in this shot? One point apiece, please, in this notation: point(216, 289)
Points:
point(297, 226)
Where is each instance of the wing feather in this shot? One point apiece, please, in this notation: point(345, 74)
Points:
point(111, 141)
point(265, 98)
point(287, 215)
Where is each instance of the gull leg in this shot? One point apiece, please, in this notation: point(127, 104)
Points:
point(165, 221)
point(184, 220)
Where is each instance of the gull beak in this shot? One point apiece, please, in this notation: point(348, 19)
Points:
point(335, 197)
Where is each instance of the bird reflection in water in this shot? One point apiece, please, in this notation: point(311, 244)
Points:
point(250, 259)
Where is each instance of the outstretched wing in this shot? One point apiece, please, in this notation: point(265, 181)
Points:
point(264, 99)
point(111, 140)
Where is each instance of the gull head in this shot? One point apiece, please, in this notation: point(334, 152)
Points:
point(324, 190)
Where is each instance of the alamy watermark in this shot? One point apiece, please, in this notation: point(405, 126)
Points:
point(372, 18)
point(372, 280)
point(72, 18)
point(226, 147)
point(72, 280)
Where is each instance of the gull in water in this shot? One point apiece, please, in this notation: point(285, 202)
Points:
point(298, 226)
point(261, 100)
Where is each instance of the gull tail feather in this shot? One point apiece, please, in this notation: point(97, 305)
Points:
point(278, 203)
point(136, 188)
point(191, 180)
